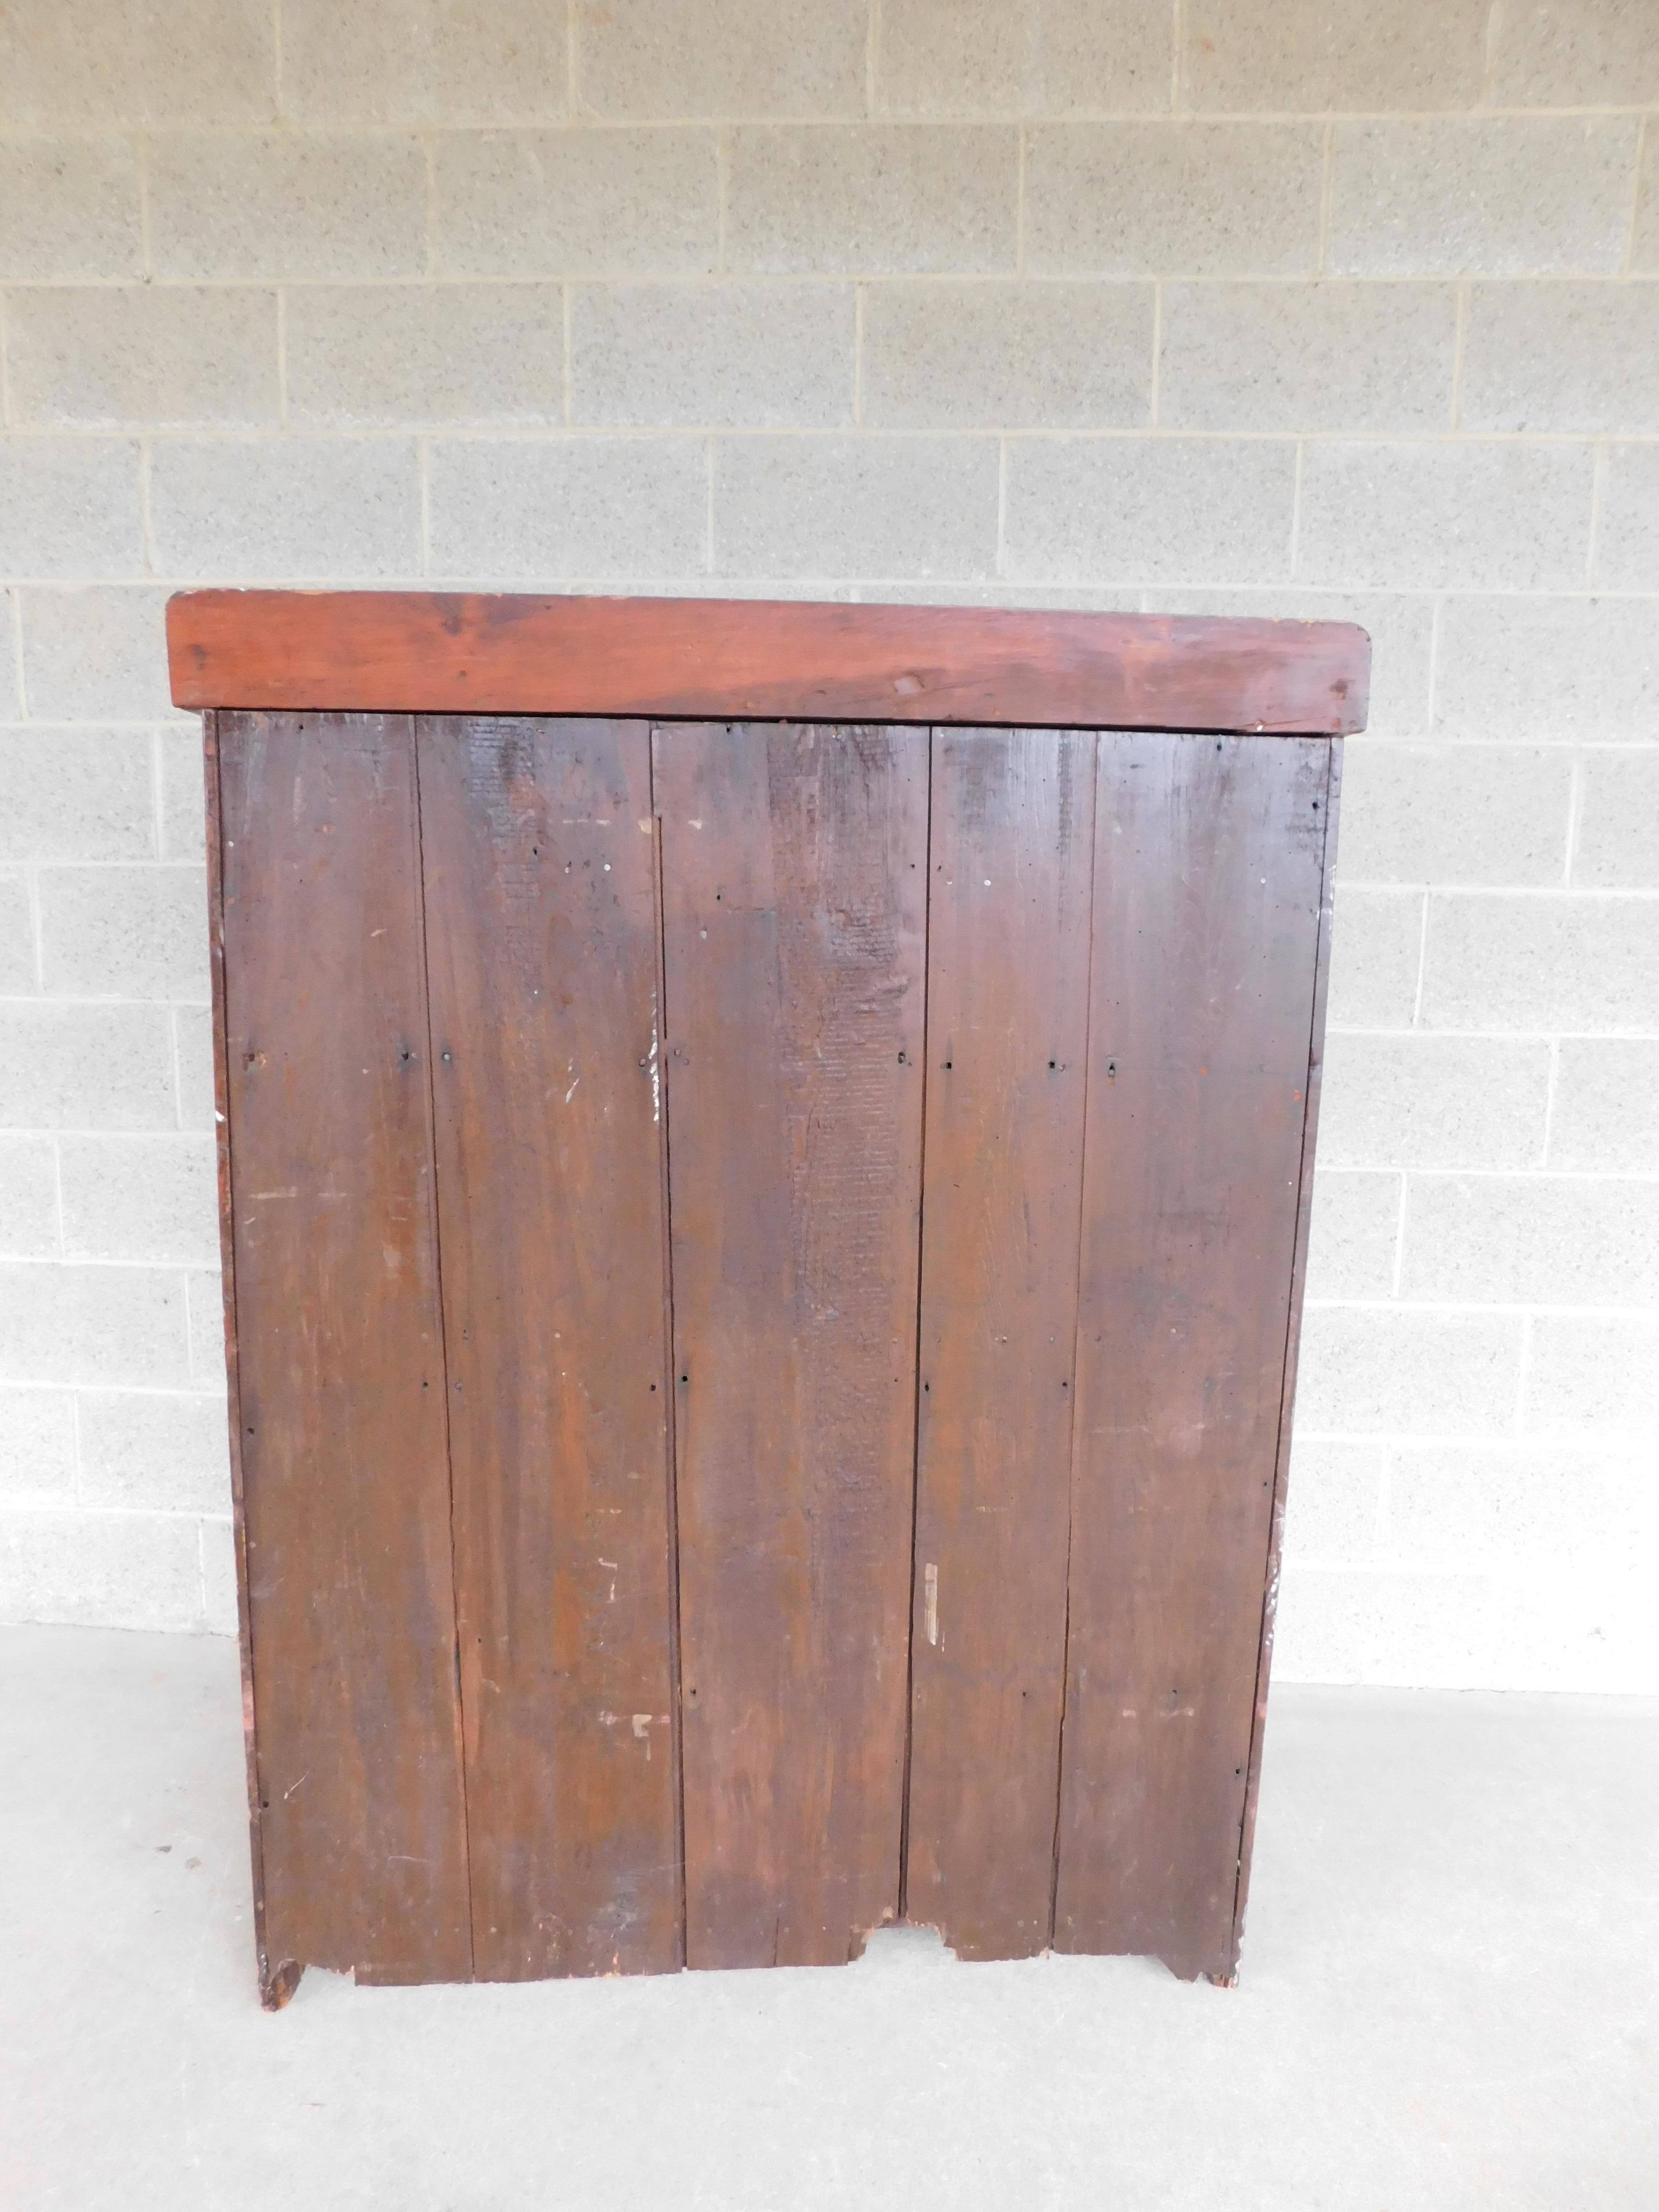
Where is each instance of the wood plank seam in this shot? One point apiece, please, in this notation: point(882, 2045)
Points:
point(443, 1338)
point(664, 1107)
point(1293, 1348)
point(916, 1426)
point(1077, 1329)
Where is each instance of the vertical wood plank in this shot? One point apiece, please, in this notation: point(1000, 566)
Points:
point(1010, 887)
point(540, 868)
point(1292, 1348)
point(1209, 868)
point(341, 1382)
point(794, 866)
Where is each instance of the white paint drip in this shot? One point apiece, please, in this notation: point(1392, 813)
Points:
point(930, 1587)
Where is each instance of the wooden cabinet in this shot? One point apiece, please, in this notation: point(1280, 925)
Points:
point(765, 1162)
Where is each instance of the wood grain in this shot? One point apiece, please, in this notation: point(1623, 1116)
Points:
point(793, 899)
point(1010, 888)
point(1210, 859)
point(508, 653)
point(345, 1485)
point(1293, 1348)
point(540, 874)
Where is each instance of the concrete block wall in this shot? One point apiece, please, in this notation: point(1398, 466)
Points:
point(1302, 306)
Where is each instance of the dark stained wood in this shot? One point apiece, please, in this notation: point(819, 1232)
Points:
point(794, 863)
point(540, 872)
point(340, 1384)
point(278, 1979)
point(507, 653)
point(1010, 886)
point(1210, 857)
point(1293, 1348)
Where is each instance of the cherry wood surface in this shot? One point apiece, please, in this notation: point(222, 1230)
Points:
point(509, 653)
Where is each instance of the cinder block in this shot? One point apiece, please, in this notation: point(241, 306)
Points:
point(285, 509)
point(1541, 962)
point(1628, 526)
point(97, 1325)
point(19, 964)
point(404, 356)
point(134, 933)
point(10, 703)
point(140, 1198)
point(1446, 815)
point(1475, 516)
point(855, 507)
point(1173, 199)
point(68, 209)
point(1500, 1507)
point(101, 1569)
point(1377, 946)
point(68, 506)
point(888, 199)
point(165, 356)
point(1506, 195)
point(1332, 1502)
point(218, 1575)
point(1561, 357)
point(1644, 242)
point(192, 1040)
point(1593, 1375)
point(87, 1067)
point(1606, 1116)
point(29, 1197)
point(1433, 1102)
point(1307, 357)
point(1538, 668)
point(1617, 847)
point(1311, 55)
point(37, 1446)
point(719, 57)
point(1022, 56)
point(1382, 1371)
point(1157, 511)
point(206, 1296)
point(746, 356)
point(193, 61)
point(1353, 1234)
point(1007, 356)
point(507, 510)
point(162, 1450)
point(97, 655)
point(1400, 626)
point(269, 204)
point(575, 203)
point(424, 61)
point(1575, 53)
point(1422, 1630)
point(1532, 1240)
point(184, 802)
point(75, 794)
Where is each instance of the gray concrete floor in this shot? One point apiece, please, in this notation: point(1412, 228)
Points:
point(1448, 2000)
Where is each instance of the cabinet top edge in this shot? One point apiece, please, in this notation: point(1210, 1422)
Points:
point(528, 654)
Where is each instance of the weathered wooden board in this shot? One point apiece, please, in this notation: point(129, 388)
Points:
point(340, 1359)
point(1010, 889)
point(1210, 860)
point(540, 872)
point(794, 863)
point(518, 653)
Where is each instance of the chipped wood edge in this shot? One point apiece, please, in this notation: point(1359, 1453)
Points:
point(277, 1983)
point(1229, 1976)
